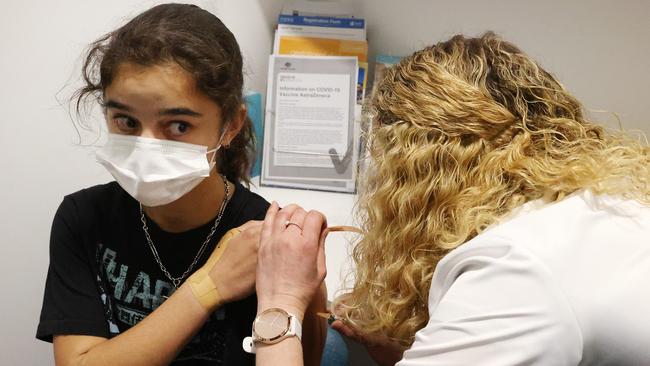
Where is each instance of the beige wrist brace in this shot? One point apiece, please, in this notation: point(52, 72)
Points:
point(203, 288)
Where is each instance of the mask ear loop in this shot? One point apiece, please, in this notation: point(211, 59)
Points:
point(215, 150)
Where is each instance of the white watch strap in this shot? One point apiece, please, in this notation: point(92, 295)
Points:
point(295, 329)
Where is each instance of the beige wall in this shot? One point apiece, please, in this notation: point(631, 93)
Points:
point(599, 49)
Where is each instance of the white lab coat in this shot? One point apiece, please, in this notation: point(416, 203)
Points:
point(566, 283)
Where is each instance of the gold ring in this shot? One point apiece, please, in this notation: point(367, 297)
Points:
point(287, 223)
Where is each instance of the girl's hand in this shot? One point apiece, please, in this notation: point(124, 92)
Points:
point(233, 263)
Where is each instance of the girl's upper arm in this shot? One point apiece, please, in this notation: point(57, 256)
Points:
point(72, 303)
point(315, 328)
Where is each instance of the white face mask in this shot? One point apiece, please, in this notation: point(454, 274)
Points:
point(155, 172)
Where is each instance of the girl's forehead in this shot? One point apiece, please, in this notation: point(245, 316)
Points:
point(168, 77)
point(162, 85)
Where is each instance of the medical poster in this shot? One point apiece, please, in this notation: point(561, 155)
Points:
point(311, 135)
point(312, 116)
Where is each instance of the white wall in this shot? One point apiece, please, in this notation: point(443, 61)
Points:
point(598, 48)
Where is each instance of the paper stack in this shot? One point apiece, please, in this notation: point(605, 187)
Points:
point(316, 81)
point(315, 28)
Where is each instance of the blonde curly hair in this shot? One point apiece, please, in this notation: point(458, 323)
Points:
point(466, 131)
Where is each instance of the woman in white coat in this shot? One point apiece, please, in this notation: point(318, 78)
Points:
point(502, 226)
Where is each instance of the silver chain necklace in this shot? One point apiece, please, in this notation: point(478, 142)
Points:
point(177, 280)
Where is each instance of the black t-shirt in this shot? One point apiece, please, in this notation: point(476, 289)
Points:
point(103, 277)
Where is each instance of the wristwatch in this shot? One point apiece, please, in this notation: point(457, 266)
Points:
point(272, 326)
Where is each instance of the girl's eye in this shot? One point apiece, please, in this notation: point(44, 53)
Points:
point(125, 123)
point(178, 128)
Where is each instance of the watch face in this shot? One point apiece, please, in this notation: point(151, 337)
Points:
point(271, 324)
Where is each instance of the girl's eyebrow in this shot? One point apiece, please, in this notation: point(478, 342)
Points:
point(179, 111)
point(117, 105)
point(175, 111)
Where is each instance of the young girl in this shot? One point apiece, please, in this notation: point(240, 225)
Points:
point(128, 259)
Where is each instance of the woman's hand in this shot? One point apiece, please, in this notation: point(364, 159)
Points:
point(291, 259)
point(384, 351)
point(233, 273)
